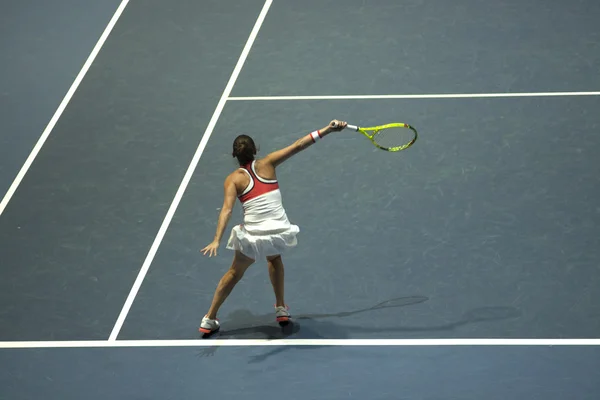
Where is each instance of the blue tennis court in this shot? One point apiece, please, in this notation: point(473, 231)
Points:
point(482, 241)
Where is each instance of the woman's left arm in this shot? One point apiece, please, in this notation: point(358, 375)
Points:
point(230, 194)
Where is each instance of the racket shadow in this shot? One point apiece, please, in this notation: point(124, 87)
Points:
point(480, 314)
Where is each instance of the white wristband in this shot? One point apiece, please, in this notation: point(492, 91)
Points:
point(315, 136)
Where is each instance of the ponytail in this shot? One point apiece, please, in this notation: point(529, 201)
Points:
point(244, 149)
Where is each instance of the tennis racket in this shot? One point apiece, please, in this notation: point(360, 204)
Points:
point(389, 137)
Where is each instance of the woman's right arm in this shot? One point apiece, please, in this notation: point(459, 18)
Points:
point(277, 157)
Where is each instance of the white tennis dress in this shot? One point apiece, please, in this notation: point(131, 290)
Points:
point(266, 230)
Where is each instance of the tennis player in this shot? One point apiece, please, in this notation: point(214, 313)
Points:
point(266, 231)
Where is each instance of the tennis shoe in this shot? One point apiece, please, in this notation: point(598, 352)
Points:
point(209, 326)
point(282, 314)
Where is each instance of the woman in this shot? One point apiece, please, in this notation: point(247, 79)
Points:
point(266, 231)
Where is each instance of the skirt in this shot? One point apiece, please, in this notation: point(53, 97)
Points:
point(263, 244)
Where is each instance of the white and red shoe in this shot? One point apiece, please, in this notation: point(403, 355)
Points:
point(209, 326)
point(282, 314)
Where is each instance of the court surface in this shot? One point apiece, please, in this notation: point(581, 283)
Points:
point(483, 238)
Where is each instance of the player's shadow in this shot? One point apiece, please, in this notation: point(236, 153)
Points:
point(242, 324)
point(309, 326)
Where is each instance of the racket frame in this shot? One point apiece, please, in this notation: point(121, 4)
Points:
point(376, 129)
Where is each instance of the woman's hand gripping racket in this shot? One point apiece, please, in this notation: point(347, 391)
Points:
point(389, 137)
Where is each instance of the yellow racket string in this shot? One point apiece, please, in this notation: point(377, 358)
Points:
point(391, 137)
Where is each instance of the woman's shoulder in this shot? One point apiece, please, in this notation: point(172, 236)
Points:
point(238, 173)
point(239, 178)
point(265, 169)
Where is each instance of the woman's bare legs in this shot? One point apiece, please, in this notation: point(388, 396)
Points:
point(276, 273)
point(238, 267)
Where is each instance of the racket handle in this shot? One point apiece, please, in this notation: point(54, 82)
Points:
point(353, 127)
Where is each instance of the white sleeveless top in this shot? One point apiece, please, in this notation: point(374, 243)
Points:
point(263, 205)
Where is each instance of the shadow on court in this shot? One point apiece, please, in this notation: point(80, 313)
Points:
point(310, 326)
point(252, 326)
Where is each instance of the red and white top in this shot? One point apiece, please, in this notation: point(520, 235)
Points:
point(262, 203)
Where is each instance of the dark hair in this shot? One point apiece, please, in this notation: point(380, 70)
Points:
point(244, 149)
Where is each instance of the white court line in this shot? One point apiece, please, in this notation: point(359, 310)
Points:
point(298, 342)
point(412, 96)
point(186, 179)
point(61, 108)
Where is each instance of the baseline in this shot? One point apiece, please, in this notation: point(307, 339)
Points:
point(297, 342)
point(412, 96)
